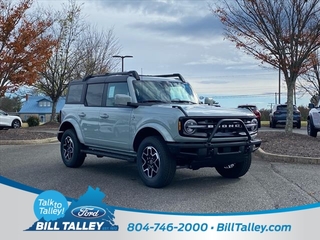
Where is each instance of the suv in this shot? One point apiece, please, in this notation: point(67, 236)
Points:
point(157, 122)
point(8, 121)
point(254, 109)
point(278, 115)
point(313, 121)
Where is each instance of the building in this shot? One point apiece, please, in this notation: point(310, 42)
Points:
point(39, 106)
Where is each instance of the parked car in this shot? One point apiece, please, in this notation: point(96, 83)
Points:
point(255, 110)
point(9, 121)
point(278, 115)
point(313, 120)
point(157, 122)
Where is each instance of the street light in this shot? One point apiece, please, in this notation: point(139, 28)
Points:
point(122, 57)
point(279, 82)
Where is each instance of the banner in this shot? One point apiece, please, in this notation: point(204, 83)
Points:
point(30, 213)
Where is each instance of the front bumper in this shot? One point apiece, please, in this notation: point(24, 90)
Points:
point(215, 151)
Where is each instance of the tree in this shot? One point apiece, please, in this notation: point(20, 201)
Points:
point(282, 33)
point(309, 82)
point(10, 104)
point(24, 44)
point(80, 52)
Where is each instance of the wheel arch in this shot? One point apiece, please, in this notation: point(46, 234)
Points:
point(69, 125)
point(142, 134)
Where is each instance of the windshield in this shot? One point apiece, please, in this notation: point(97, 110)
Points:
point(164, 91)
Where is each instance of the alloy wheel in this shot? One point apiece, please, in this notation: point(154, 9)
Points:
point(150, 161)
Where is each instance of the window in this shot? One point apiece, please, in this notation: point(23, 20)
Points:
point(116, 88)
point(75, 94)
point(94, 95)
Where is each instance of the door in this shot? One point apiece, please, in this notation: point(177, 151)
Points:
point(89, 114)
point(115, 120)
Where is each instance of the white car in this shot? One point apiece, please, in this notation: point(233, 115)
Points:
point(9, 121)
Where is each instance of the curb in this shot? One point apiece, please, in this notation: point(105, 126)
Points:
point(28, 142)
point(270, 157)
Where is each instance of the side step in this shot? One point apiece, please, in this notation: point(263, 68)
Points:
point(131, 157)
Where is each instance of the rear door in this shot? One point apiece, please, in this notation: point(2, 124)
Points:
point(90, 113)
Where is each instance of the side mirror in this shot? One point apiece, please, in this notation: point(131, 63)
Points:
point(311, 105)
point(122, 99)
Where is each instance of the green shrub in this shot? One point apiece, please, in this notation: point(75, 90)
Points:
point(33, 121)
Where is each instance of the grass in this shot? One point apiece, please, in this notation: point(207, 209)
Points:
point(266, 123)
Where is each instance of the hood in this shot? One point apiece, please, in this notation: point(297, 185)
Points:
point(207, 110)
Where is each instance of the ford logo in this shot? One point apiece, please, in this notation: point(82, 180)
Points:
point(88, 212)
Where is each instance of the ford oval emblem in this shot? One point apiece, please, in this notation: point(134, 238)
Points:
point(88, 212)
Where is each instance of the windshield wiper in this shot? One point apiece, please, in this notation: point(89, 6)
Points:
point(152, 101)
point(183, 101)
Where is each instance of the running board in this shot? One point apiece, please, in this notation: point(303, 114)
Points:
point(131, 157)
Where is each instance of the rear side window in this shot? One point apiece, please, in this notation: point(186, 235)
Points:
point(94, 95)
point(75, 93)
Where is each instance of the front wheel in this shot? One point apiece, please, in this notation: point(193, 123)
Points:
point(155, 164)
point(70, 149)
point(235, 170)
point(16, 124)
point(311, 130)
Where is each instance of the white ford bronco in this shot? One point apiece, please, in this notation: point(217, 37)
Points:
point(157, 122)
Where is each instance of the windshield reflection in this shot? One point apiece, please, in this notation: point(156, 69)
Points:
point(164, 92)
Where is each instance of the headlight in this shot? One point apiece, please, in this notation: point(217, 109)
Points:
point(188, 126)
point(254, 125)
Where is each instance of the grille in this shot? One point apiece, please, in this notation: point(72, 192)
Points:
point(231, 127)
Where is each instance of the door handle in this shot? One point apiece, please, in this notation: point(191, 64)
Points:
point(82, 114)
point(104, 115)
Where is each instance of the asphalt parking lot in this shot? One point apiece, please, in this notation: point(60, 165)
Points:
point(267, 185)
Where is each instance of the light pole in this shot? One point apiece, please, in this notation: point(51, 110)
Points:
point(279, 83)
point(122, 58)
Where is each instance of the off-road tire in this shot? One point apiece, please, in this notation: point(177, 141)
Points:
point(235, 170)
point(155, 164)
point(70, 149)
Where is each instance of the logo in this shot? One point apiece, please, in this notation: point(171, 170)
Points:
point(88, 212)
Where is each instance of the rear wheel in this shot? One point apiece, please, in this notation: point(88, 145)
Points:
point(70, 149)
point(155, 164)
point(235, 170)
point(311, 130)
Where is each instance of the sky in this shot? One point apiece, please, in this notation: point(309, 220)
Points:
point(184, 36)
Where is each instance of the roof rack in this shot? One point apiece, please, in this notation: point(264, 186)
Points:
point(171, 75)
point(129, 73)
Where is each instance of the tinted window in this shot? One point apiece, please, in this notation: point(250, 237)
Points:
point(284, 108)
point(116, 88)
point(94, 95)
point(75, 93)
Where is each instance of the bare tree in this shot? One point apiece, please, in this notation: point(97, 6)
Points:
point(282, 33)
point(80, 52)
point(309, 82)
point(98, 47)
